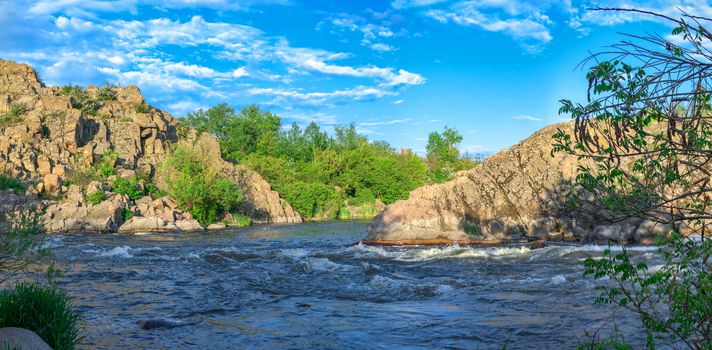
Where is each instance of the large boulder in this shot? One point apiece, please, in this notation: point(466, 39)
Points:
point(21, 338)
point(518, 193)
point(74, 214)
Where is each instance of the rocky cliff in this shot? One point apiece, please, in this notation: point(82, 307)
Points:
point(47, 139)
point(515, 194)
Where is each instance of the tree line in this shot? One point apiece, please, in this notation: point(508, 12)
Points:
point(318, 173)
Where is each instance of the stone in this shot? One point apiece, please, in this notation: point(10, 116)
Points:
point(189, 225)
point(52, 182)
point(216, 226)
point(21, 338)
point(144, 224)
point(516, 192)
point(71, 215)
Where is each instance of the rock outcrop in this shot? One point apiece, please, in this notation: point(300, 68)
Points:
point(55, 140)
point(516, 194)
point(21, 338)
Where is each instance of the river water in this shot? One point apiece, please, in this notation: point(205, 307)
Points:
point(312, 286)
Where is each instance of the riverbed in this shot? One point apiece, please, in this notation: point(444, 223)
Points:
point(313, 286)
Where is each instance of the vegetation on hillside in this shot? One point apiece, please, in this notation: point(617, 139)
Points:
point(198, 188)
point(319, 174)
point(647, 131)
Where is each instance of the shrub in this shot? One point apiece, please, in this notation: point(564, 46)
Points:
point(20, 243)
point(107, 93)
point(130, 187)
point(106, 167)
point(8, 182)
point(312, 199)
point(96, 197)
point(241, 220)
point(45, 310)
point(126, 214)
point(142, 108)
point(197, 187)
point(14, 115)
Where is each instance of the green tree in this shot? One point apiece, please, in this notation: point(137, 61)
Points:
point(645, 140)
point(442, 154)
point(198, 188)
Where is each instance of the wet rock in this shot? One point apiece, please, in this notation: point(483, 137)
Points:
point(216, 226)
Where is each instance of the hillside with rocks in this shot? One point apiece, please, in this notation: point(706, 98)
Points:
point(517, 194)
point(50, 141)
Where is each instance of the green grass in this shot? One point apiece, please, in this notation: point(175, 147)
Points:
point(45, 310)
point(8, 182)
point(241, 220)
point(14, 115)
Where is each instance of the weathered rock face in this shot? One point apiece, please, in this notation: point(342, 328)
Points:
point(55, 141)
point(515, 194)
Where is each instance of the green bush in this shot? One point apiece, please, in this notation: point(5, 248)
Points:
point(142, 108)
point(21, 237)
point(197, 187)
point(80, 99)
point(96, 197)
point(107, 166)
point(107, 93)
point(312, 199)
point(126, 214)
point(45, 310)
point(241, 220)
point(8, 182)
point(130, 187)
point(14, 115)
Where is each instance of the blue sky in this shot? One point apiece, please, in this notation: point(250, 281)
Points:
point(493, 69)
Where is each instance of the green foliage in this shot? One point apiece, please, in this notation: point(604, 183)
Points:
point(80, 99)
point(142, 108)
point(241, 220)
point(443, 156)
point(96, 197)
point(199, 189)
point(107, 166)
point(14, 115)
point(673, 300)
point(45, 310)
point(21, 236)
point(644, 140)
point(107, 93)
point(126, 214)
point(310, 159)
point(131, 187)
point(8, 182)
point(312, 199)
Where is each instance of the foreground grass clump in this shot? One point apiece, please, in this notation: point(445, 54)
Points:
point(8, 182)
point(45, 310)
point(198, 188)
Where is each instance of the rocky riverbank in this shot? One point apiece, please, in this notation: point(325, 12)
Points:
point(50, 141)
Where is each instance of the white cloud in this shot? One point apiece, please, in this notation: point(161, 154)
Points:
point(382, 47)
point(518, 28)
point(397, 102)
point(385, 122)
point(526, 117)
point(401, 4)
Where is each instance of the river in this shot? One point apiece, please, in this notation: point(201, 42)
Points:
point(312, 286)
